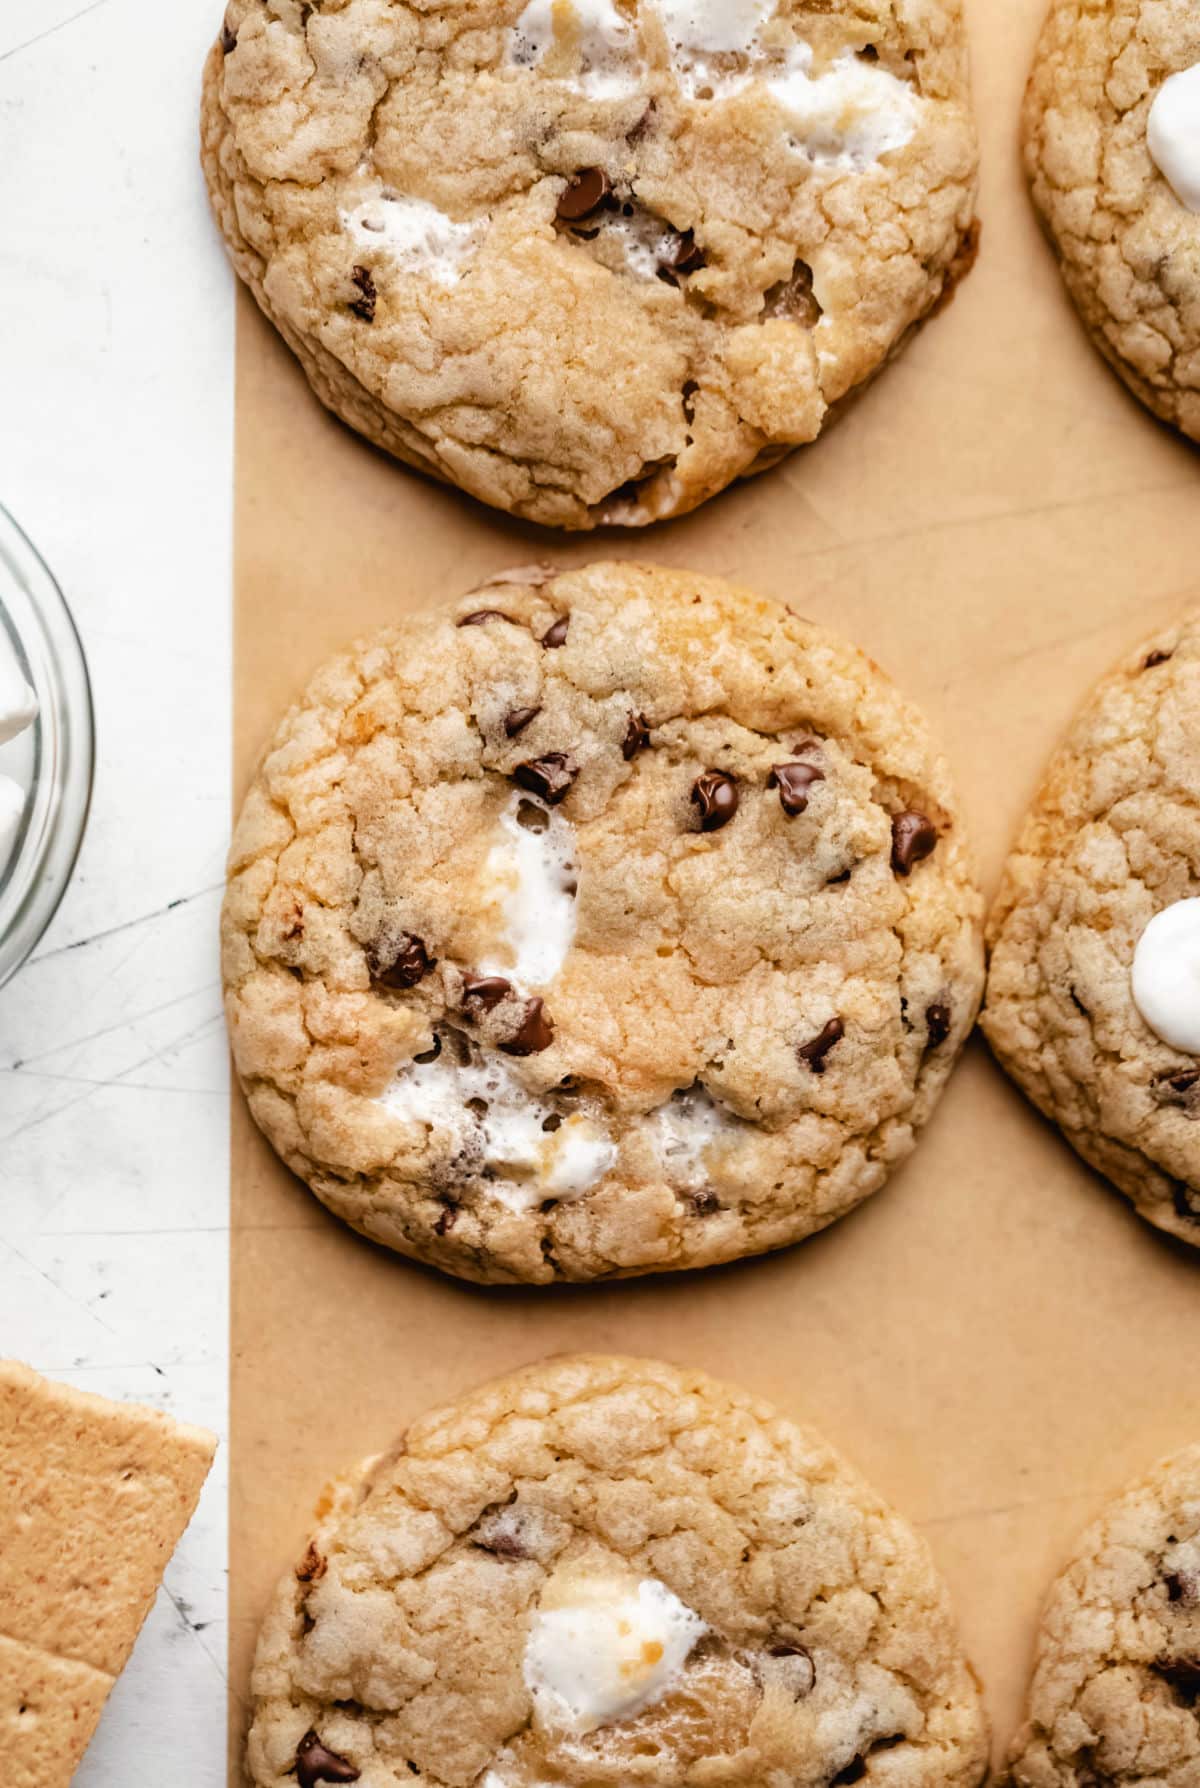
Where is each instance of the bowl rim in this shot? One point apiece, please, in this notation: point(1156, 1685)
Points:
point(71, 715)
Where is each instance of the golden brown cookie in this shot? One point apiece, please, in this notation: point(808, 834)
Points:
point(1112, 151)
point(607, 922)
point(1115, 1697)
point(1095, 935)
point(608, 1571)
point(591, 260)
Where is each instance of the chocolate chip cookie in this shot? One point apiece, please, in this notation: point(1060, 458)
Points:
point(1095, 935)
point(1112, 149)
point(606, 1570)
point(592, 260)
point(1115, 1697)
point(608, 922)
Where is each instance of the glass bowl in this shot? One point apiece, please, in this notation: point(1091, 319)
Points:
point(53, 758)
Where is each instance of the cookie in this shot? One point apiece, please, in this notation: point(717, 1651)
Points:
point(1112, 150)
point(608, 922)
point(592, 260)
point(94, 1497)
point(1115, 1697)
point(1095, 935)
point(605, 1570)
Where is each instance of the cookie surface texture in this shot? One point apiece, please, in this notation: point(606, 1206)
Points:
point(1112, 151)
point(606, 1570)
point(592, 260)
point(1117, 1669)
point(608, 922)
point(1095, 933)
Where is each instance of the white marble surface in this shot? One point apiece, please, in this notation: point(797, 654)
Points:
point(116, 375)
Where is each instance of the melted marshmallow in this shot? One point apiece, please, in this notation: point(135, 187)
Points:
point(528, 894)
point(852, 114)
point(683, 1131)
point(414, 233)
point(606, 45)
point(713, 26)
point(700, 30)
point(643, 243)
point(601, 1648)
point(1173, 135)
point(1166, 975)
point(482, 1105)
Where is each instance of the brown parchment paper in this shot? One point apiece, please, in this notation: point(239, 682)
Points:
point(995, 1339)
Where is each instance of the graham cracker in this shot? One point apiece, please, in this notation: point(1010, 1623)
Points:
point(94, 1496)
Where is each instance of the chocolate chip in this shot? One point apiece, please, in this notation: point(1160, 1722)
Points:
point(503, 1545)
point(447, 1220)
point(556, 634)
point(550, 776)
point(430, 1055)
point(584, 193)
point(314, 1763)
point(1183, 1587)
point(853, 1772)
point(705, 1203)
point(814, 1053)
point(364, 305)
point(399, 961)
point(228, 40)
point(1182, 1090)
point(489, 990)
point(637, 736)
point(534, 1033)
point(681, 254)
point(793, 300)
point(716, 795)
point(914, 836)
point(312, 1566)
point(1156, 658)
point(518, 719)
point(482, 616)
point(937, 1025)
point(1186, 1201)
point(1183, 1674)
point(794, 782)
point(499, 1532)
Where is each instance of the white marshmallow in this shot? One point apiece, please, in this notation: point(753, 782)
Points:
point(529, 894)
point(600, 1649)
point(18, 703)
point(417, 236)
point(850, 115)
point(714, 26)
point(531, 1163)
point(683, 1131)
point(1173, 135)
point(607, 46)
point(1166, 975)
